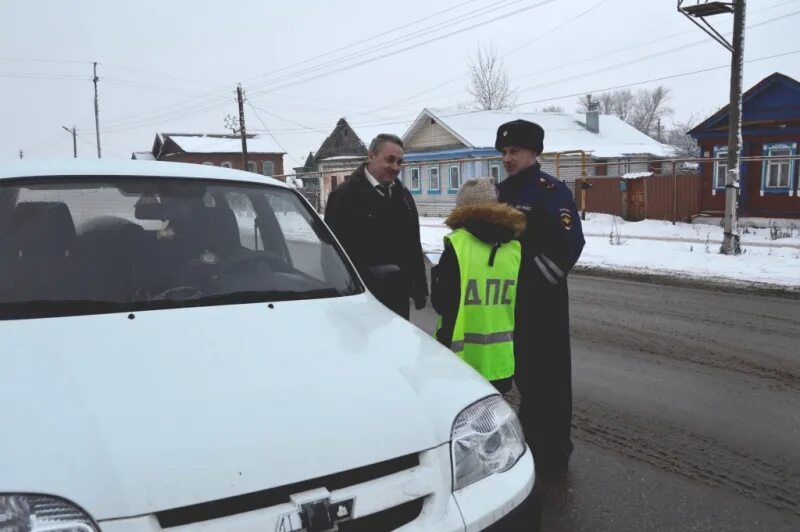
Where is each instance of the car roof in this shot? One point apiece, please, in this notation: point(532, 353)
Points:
point(16, 168)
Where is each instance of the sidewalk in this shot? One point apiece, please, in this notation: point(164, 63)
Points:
point(659, 248)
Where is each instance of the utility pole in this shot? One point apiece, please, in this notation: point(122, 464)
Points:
point(74, 140)
point(242, 130)
point(701, 10)
point(96, 112)
point(730, 242)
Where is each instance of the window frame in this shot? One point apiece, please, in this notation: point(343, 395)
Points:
point(719, 151)
point(450, 168)
point(252, 167)
point(264, 168)
point(226, 164)
point(438, 188)
point(766, 165)
point(494, 166)
point(411, 187)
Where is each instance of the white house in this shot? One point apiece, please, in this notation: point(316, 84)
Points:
point(443, 149)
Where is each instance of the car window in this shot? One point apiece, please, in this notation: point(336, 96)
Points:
point(80, 245)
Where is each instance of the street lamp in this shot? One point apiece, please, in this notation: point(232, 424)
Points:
point(74, 140)
point(697, 13)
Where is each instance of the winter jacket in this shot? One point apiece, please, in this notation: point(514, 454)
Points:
point(551, 245)
point(376, 230)
point(495, 224)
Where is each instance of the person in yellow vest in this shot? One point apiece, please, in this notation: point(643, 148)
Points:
point(474, 285)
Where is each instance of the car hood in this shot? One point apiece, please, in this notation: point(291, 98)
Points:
point(131, 414)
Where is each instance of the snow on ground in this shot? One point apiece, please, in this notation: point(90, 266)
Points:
point(661, 248)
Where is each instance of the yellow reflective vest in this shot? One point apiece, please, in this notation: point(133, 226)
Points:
point(483, 335)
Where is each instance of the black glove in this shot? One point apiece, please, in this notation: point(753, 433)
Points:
point(420, 300)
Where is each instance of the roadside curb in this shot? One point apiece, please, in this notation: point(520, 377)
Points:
point(723, 285)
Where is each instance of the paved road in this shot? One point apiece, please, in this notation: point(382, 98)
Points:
point(687, 410)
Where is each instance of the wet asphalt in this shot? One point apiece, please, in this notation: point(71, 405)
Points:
point(686, 410)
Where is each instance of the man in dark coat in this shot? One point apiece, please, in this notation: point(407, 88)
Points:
point(551, 246)
point(374, 217)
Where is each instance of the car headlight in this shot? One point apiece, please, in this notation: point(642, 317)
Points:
point(39, 513)
point(486, 439)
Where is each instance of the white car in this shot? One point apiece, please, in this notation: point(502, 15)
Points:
point(187, 348)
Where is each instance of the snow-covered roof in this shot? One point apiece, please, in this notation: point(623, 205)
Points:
point(224, 144)
point(16, 168)
point(635, 175)
point(343, 158)
point(563, 132)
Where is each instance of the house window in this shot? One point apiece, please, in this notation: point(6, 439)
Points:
point(455, 177)
point(208, 163)
point(433, 179)
point(414, 184)
point(269, 168)
point(252, 167)
point(226, 164)
point(720, 167)
point(778, 176)
point(494, 172)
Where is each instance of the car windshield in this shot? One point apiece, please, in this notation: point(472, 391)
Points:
point(80, 245)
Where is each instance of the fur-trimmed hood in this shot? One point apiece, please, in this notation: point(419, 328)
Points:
point(492, 222)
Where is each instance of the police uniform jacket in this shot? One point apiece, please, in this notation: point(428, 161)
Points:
point(551, 245)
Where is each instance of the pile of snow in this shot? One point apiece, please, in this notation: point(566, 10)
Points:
point(663, 248)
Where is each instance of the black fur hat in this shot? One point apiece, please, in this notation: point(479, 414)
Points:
point(520, 134)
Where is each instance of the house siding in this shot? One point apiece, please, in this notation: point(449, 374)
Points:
point(432, 136)
point(751, 202)
point(235, 159)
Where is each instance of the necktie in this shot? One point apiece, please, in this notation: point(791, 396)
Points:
point(384, 190)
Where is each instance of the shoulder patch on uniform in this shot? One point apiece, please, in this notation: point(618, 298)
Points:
point(566, 218)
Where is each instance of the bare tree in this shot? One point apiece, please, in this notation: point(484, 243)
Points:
point(552, 109)
point(678, 137)
point(642, 110)
point(584, 102)
point(488, 82)
point(651, 107)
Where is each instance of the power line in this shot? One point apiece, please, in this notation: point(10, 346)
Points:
point(439, 26)
point(630, 61)
point(270, 133)
point(210, 103)
point(215, 100)
point(461, 76)
point(411, 47)
point(580, 93)
point(367, 39)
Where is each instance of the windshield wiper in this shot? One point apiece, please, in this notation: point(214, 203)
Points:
point(77, 307)
point(262, 296)
point(47, 308)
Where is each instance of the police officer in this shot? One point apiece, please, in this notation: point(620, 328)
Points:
point(551, 245)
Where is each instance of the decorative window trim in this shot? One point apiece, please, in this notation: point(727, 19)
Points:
point(208, 163)
point(411, 187)
point(226, 164)
point(450, 188)
point(252, 166)
point(438, 188)
point(765, 166)
point(270, 165)
point(491, 167)
point(718, 151)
